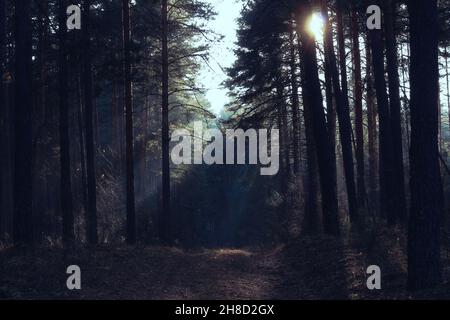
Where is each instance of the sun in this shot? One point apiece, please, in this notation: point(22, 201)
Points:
point(316, 25)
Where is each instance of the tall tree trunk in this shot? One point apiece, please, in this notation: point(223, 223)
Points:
point(331, 108)
point(404, 68)
point(282, 125)
point(285, 146)
point(165, 212)
point(426, 188)
point(82, 140)
point(447, 80)
point(313, 93)
point(23, 225)
point(63, 82)
point(91, 214)
point(398, 178)
point(358, 97)
point(371, 126)
point(386, 173)
point(3, 119)
point(343, 111)
point(311, 220)
point(295, 103)
point(131, 215)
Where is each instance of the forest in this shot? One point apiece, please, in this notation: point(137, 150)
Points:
point(351, 97)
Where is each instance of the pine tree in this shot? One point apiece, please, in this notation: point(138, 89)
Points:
point(426, 189)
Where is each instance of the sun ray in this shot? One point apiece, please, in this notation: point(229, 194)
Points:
point(316, 25)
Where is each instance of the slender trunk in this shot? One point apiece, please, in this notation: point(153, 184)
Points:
point(398, 178)
point(358, 97)
point(311, 221)
point(63, 82)
point(295, 103)
point(426, 188)
point(282, 125)
point(331, 109)
point(405, 98)
point(114, 115)
point(165, 212)
point(343, 111)
point(23, 226)
point(3, 119)
point(447, 83)
point(313, 94)
point(285, 133)
point(131, 215)
point(81, 138)
point(385, 152)
point(91, 219)
point(371, 126)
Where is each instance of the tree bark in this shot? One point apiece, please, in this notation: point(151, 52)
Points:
point(311, 221)
point(426, 188)
point(398, 178)
point(386, 174)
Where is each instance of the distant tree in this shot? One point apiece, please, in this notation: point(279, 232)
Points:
point(23, 223)
point(91, 214)
point(295, 101)
point(3, 112)
point(128, 99)
point(358, 101)
point(371, 125)
point(63, 92)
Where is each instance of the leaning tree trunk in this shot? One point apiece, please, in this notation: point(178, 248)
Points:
point(343, 111)
point(426, 188)
point(91, 214)
point(131, 215)
point(63, 82)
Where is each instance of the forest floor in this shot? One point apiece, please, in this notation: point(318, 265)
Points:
point(306, 268)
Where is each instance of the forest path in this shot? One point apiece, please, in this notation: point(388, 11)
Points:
point(307, 268)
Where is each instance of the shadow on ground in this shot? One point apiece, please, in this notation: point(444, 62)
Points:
point(307, 268)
